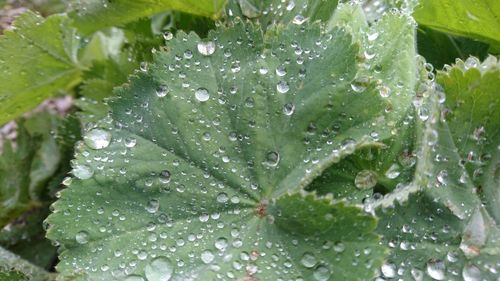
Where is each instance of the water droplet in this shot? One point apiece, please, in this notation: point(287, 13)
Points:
point(321, 273)
point(153, 206)
point(206, 48)
point(282, 87)
point(281, 71)
point(373, 36)
point(442, 177)
point(162, 91)
point(202, 94)
point(222, 197)
point(388, 270)
point(165, 176)
point(97, 138)
point(167, 35)
point(235, 67)
point(393, 172)
point(471, 273)
point(82, 172)
point(339, 247)
point(299, 19)
point(272, 159)
point(82, 237)
point(417, 274)
point(130, 142)
point(365, 179)
point(308, 260)
point(384, 91)
point(436, 269)
point(288, 109)
point(159, 269)
point(207, 256)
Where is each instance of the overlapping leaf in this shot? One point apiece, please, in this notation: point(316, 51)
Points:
point(93, 15)
point(38, 60)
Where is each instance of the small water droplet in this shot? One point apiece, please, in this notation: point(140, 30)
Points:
point(388, 270)
point(130, 142)
point(159, 269)
point(97, 138)
point(202, 94)
point(299, 19)
point(167, 35)
point(152, 206)
point(206, 48)
point(288, 109)
point(272, 159)
point(393, 172)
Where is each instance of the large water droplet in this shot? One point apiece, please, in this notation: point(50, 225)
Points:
point(202, 94)
point(206, 48)
point(97, 138)
point(82, 237)
point(82, 172)
point(207, 256)
point(308, 260)
point(272, 159)
point(321, 273)
point(365, 179)
point(388, 270)
point(162, 91)
point(436, 269)
point(282, 87)
point(471, 273)
point(159, 269)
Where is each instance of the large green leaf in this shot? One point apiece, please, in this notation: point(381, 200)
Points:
point(199, 167)
point(38, 59)
point(472, 113)
point(473, 18)
point(92, 15)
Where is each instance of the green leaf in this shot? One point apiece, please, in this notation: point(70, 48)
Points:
point(428, 242)
point(478, 19)
point(472, 113)
point(15, 168)
point(92, 15)
point(38, 60)
point(199, 169)
point(440, 48)
point(12, 267)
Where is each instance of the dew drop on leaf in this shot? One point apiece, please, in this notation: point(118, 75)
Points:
point(201, 94)
point(388, 270)
point(393, 172)
point(82, 172)
point(471, 273)
point(308, 260)
point(130, 142)
point(207, 256)
point(417, 274)
point(272, 159)
point(165, 176)
point(167, 35)
point(299, 19)
point(288, 109)
point(436, 269)
point(206, 48)
point(152, 206)
point(365, 179)
point(97, 138)
point(162, 91)
point(159, 269)
point(282, 87)
point(321, 273)
point(82, 237)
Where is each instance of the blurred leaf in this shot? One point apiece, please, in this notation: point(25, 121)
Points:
point(13, 266)
point(440, 48)
point(92, 15)
point(477, 19)
point(38, 60)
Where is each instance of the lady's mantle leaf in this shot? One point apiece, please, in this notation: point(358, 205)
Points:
point(38, 59)
point(190, 175)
